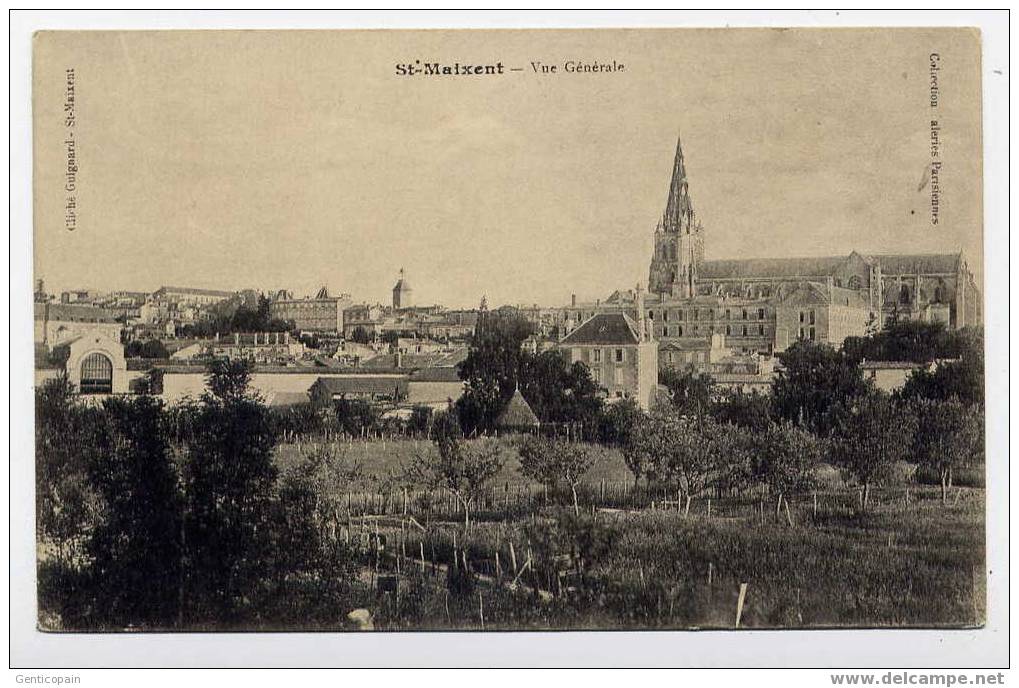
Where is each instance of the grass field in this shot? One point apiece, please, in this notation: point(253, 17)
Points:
point(910, 560)
point(381, 459)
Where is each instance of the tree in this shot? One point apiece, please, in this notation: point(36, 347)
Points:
point(554, 462)
point(135, 552)
point(689, 392)
point(753, 411)
point(909, 340)
point(311, 570)
point(464, 468)
point(949, 434)
point(490, 371)
point(786, 455)
point(150, 348)
point(229, 379)
point(151, 382)
point(420, 420)
point(228, 478)
point(678, 450)
point(557, 391)
point(356, 417)
point(66, 504)
point(812, 385)
point(872, 434)
point(962, 380)
point(732, 447)
point(617, 421)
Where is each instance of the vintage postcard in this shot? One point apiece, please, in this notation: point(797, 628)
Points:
point(509, 330)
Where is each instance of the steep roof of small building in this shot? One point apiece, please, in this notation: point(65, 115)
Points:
point(517, 414)
point(604, 328)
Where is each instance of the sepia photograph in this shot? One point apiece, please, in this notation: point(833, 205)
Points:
point(661, 329)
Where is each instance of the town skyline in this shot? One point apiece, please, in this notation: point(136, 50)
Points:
point(474, 189)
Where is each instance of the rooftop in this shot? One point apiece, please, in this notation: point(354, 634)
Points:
point(604, 328)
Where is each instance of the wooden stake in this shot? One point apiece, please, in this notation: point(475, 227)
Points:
point(740, 601)
point(815, 505)
point(513, 558)
point(422, 543)
point(481, 610)
point(709, 507)
point(710, 571)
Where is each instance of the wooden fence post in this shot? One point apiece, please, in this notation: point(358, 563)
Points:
point(740, 601)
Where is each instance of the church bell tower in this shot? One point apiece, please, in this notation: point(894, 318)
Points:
point(679, 241)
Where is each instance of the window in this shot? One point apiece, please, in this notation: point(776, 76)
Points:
point(904, 295)
point(760, 314)
point(665, 316)
point(680, 314)
point(695, 313)
point(802, 333)
point(855, 282)
point(680, 331)
point(811, 318)
point(728, 314)
point(760, 329)
point(744, 313)
point(96, 375)
point(619, 355)
point(744, 330)
point(728, 330)
point(812, 337)
point(619, 376)
point(597, 355)
point(803, 316)
point(650, 315)
point(665, 331)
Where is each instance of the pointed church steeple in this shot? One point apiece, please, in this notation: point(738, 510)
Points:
point(679, 238)
point(678, 208)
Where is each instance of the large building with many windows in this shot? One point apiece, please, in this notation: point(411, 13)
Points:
point(763, 305)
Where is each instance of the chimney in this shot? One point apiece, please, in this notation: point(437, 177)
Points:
point(641, 328)
point(573, 300)
point(399, 359)
point(237, 338)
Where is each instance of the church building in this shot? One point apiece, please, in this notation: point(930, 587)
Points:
point(763, 305)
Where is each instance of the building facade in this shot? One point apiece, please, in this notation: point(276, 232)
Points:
point(620, 353)
point(56, 323)
point(191, 296)
point(764, 305)
point(322, 313)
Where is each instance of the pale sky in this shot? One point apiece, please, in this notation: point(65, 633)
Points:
point(295, 160)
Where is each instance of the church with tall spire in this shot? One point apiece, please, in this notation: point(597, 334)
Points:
point(679, 239)
point(703, 312)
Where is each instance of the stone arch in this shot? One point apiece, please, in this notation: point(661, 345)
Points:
point(95, 374)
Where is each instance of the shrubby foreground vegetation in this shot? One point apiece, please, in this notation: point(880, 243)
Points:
point(220, 513)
